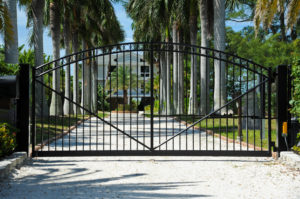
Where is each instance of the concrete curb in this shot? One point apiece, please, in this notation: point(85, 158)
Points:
point(290, 158)
point(15, 160)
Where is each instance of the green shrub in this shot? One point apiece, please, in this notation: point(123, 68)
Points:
point(295, 102)
point(7, 139)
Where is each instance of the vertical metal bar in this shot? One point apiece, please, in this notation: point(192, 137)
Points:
point(240, 129)
point(233, 122)
point(62, 97)
point(207, 98)
point(55, 104)
point(33, 124)
point(192, 90)
point(144, 90)
point(95, 57)
point(130, 86)
point(76, 86)
point(185, 110)
point(269, 111)
point(124, 82)
point(103, 92)
point(159, 95)
point(90, 96)
point(83, 97)
point(117, 75)
point(254, 113)
point(49, 117)
point(247, 111)
point(152, 96)
point(226, 83)
point(137, 94)
point(110, 102)
point(220, 90)
point(42, 116)
point(199, 79)
point(70, 102)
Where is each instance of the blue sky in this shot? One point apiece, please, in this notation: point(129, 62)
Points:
point(23, 32)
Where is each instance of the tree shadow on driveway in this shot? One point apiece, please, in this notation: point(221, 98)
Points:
point(64, 179)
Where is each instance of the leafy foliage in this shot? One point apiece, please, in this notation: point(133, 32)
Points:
point(295, 102)
point(7, 139)
point(25, 56)
point(268, 51)
point(102, 102)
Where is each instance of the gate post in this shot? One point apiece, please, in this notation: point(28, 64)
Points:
point(23, 109)
point(282, 104)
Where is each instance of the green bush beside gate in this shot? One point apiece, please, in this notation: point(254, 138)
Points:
point(7, 139)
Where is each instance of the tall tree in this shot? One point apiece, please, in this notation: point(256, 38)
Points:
point(11, 46)
point(266, 12)
point(219, 44)
point(193, 103)
point(206, 17)
point(6, 28)
point(68, 109)
point(37, 9)
point(54, 22)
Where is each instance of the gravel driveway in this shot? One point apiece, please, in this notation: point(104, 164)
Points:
point(152, 177)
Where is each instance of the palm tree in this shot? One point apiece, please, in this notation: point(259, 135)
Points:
point(6, 27)
point(11, 46)
point(293, 13)
point(206, 18)
point(99, 25)
point(122, 79)
point(193, 104)
point(156, 16)
point(67, 42)
point(35, 18)
point(265, 11)
point(219, 44)
point(54, 22)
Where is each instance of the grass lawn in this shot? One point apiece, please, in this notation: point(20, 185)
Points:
point(54, 126)
point(229, 128)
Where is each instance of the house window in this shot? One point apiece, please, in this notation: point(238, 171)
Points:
point(145, 71)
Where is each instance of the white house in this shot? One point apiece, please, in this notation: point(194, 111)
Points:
point(135, 60)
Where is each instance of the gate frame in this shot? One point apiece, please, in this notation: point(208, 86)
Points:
point(151, 152)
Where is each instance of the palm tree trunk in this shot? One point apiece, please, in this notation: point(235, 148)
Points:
point(68, 110)
point(86, 83)
point(180, 75)
point(169, 106)
point(94, 85)
point(11, 47)
point(204, 62)
point(56, 103)
point(162, 93)
point(193, 106)
point(175, 66)
point(38, 15)
point(75, 73)
point(219, 66)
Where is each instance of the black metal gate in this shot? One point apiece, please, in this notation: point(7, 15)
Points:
point(151, 99)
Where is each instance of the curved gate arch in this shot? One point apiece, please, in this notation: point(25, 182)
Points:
point(154, 98)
